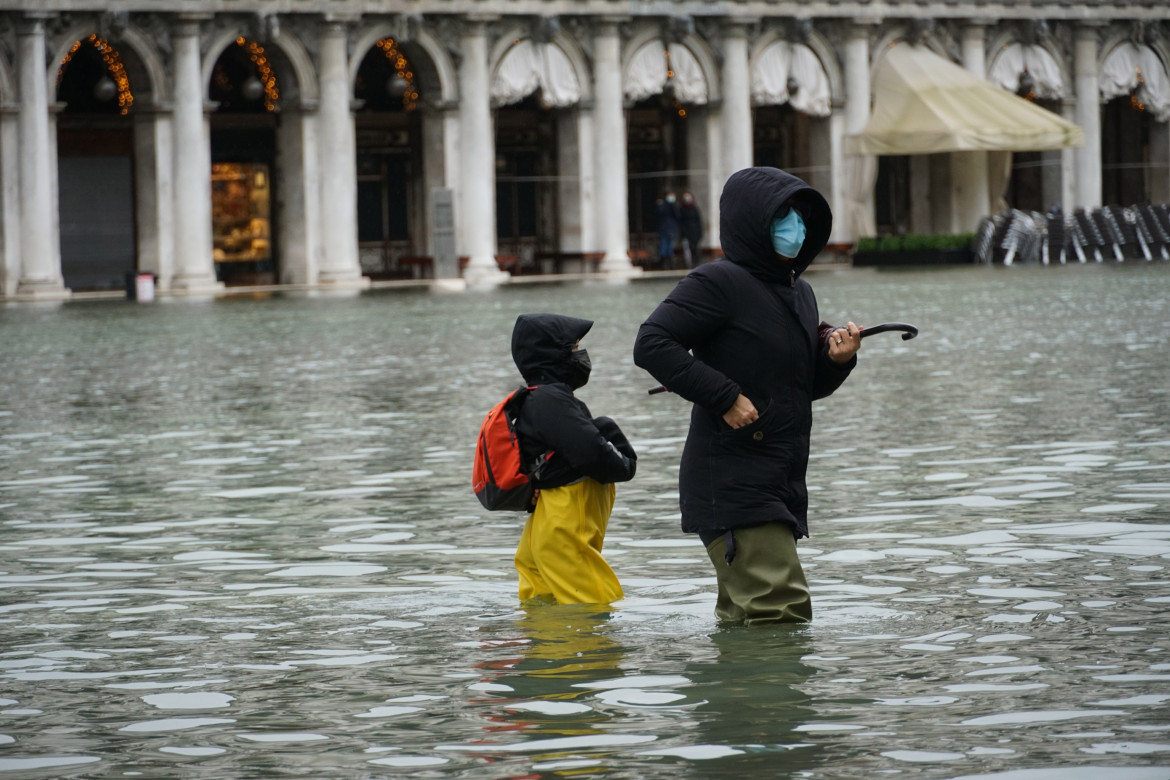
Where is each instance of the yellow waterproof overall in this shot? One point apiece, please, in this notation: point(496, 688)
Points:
point(560, 550)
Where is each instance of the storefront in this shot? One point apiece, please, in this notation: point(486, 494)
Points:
point(243, 162)
point(95, 168)
point(389, 166)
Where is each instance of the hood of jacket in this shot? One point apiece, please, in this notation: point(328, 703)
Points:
point(542, 344)
point(751, 199)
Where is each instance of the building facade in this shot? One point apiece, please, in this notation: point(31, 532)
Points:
point(317, 143)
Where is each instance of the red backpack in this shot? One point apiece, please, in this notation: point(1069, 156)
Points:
point(498, 476)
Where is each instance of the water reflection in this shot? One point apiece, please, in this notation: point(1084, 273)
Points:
point(753, 710)
point(237, 539)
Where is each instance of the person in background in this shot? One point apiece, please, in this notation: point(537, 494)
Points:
point(691, 226)
point(559, 555)
point(667, 230)
point(738, 338)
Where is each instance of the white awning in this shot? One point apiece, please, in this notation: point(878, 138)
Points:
point(924, 103)
point(528, 67)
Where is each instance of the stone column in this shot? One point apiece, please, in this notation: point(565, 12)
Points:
point(857, 100)
point(574, 198)
point(340, 267)
point(194, 266)
point(737, 105)
point(154, 193)
point(9, 199)
point(972, 198)
point(477, 166)
point(1068, 162)
point(298, 242)
point(40, 274)
point(838, 172)
point(613, 225)
point(1088, 157)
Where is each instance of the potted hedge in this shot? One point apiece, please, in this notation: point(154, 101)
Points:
point(915, 249)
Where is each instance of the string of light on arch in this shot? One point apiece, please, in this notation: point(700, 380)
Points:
point(402, 67)
point(267, 76)
point(114, 66)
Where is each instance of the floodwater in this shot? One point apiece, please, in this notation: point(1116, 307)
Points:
point(238, 539)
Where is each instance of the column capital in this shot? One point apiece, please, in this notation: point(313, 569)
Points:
point(478, 20)
point(1090, 29)
point(189, 24)
point(33, 22)
point(340, 21)
point(609, 24)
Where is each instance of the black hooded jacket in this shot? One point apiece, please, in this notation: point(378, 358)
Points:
point(746, 324)
point(552, 418)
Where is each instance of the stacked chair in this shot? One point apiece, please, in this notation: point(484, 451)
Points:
point(1115, 233)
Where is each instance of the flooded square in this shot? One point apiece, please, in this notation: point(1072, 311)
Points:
point(238, 538)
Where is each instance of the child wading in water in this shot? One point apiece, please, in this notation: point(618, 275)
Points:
point(559, 556)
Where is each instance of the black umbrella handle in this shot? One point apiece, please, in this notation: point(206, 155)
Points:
point(908, 332)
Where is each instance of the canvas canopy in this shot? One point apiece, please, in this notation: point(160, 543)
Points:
point(924, 103)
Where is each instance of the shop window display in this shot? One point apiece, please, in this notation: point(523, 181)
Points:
point(241, 222)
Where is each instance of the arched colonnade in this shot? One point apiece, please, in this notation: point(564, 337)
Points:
point(551, 138)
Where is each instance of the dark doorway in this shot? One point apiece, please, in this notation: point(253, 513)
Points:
point(95, 168)
point(1125, 152)
point(526, 191)
point(390, 189)
point(892, 195)
point(657, 164)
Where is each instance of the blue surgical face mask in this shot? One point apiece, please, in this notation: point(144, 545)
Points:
point(788, 234)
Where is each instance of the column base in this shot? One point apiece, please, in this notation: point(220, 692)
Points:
point(483, 272)
point(35, 290)
point(449, 285)
point(619, 267)
point(342, 280)
point(194, 286)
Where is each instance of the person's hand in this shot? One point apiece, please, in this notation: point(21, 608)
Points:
point(844, 343)
point(742, 412)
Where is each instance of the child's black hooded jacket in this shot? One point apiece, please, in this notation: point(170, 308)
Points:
point(552, 418)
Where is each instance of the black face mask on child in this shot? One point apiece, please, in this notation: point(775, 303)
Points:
point(579, 368)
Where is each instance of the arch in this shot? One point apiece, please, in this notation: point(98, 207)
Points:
point(1137, 69)
point(215, 49)
point(1011, 57)
point(521, 70)
point(8, 93)
point(820, 46)
point(640, 69)
point(146, 63)
point(571, 48)
point(307, 89)
point(437, 72)
point(771, 67)
point(902, 35)
point(296, 77)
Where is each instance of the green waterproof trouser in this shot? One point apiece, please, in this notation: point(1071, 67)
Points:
point(764, 582)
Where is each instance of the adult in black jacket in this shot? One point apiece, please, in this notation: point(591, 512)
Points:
point(690, 223)
point(559, 555)
point(738, 338)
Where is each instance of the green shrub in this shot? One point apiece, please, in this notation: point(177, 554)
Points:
point(915, 242)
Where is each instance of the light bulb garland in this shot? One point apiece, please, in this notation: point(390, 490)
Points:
point(402, 67)
point(264, 69)
point(113, 63)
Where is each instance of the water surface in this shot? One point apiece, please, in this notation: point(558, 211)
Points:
point(237, 539)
